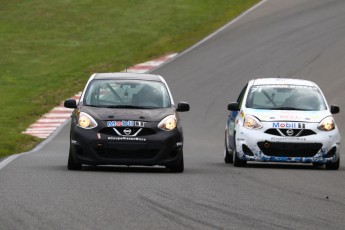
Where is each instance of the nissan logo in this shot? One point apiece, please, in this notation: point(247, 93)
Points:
point(289, 132)
point(127, 131)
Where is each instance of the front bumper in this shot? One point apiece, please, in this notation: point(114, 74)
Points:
point(92, 148)
point(255, 145)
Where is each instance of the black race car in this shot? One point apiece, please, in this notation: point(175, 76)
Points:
point(126, 119)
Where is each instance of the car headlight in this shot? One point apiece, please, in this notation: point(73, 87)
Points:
point(85, 121)
point(327, 124)
point(251, 122)
point(168, 123)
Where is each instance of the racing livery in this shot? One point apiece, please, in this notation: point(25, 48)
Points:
point(126, 119)
point(282, 120)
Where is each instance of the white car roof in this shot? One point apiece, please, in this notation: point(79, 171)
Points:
point(282, 81)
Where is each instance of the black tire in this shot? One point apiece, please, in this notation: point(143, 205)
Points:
point(333, 165)
point(238, 162)
point(178, 167)
point(228, 158)
point(72, 164)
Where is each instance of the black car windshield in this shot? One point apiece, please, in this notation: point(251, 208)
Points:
point(129, 94)
point(285, 97)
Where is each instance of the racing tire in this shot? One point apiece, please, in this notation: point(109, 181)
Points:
point(178, 167)
point(333, 165)
point(238, 162)
point(72, 164)
point(228, 157)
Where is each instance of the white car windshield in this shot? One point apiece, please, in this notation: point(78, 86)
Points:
point(127, 94)
point(285, 97)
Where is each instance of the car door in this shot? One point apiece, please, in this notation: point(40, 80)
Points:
point(231, 121)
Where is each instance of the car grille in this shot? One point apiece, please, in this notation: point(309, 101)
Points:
point(290, 132)
point(283, 149)
point(129, 150)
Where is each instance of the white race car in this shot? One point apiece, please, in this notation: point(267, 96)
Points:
point(282, 120)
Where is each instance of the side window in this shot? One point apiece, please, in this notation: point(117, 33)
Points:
point(240, 97)
point(92, 94)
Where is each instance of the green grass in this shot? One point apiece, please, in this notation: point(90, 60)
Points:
point(50, 48)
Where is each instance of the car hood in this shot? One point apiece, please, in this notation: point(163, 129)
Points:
point(107, 114)
point(287, 115)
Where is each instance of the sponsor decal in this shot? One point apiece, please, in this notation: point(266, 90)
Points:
point(288, 138)
point(77, 112)
point(242, 114)
point(288, 125)
point(125, 123)
point(289, 116)
point(126, 139)
point(259, 88)
point(111, 123)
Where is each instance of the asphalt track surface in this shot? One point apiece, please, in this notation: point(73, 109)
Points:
point(295, 38)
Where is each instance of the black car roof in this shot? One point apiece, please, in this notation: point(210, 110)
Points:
point(130, 76)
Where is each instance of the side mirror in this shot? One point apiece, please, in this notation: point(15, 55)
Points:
point(233, 106)
point(70, 103)
point(335, 109)
point(182, 107)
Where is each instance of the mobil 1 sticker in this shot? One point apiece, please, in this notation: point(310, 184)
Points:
point(124, 123)
point(288, 125)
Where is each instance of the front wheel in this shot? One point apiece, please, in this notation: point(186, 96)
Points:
point(228, 157)
point(333, 165)
point(72, 164)
point(177, 167)
point(237, 161)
